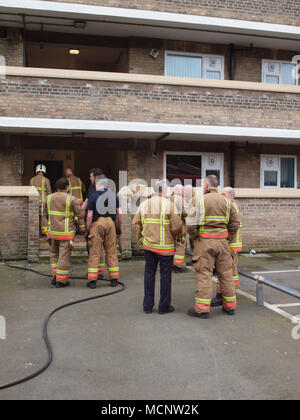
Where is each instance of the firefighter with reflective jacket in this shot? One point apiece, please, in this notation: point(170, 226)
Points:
point(62, 208)
point(76, 186)
point(103, 215)
point(216, 219)
point(42, 184)
point(235, 245)
point(156, 226)
point(178, 199)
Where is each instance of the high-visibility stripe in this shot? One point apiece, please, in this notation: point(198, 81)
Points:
point(158, 246)
point(229, 302)
point(159, 251)
point(213, 235)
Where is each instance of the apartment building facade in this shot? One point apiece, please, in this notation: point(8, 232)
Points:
point(175, 89)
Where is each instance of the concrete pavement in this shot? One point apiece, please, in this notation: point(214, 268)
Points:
point(109, 349)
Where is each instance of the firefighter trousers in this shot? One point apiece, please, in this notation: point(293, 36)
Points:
point(60, 254)
point(179, 256)
point(210, 253)
point(103, 236)
point(235, 273)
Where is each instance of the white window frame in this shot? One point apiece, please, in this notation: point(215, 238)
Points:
point(204, 166)
point(264, 74)
point(263, 168)
point(203, 56)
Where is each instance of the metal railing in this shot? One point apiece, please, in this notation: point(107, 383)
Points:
point(261, 281)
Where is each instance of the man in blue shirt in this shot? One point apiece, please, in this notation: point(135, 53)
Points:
point(103, 214)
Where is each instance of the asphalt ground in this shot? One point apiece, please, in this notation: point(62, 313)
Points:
point(109, 349)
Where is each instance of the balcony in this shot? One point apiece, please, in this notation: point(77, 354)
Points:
point(62, 95)
point(285, 11)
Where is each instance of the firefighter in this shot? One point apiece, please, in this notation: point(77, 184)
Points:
point(62, 208)
point(76, 186)
point(235, 245)
point(42, 184)
point(104, 214)
point(217, 219)
point(179, 257)
point(156, 226)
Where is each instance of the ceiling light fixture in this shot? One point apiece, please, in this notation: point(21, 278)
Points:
point(74, 52)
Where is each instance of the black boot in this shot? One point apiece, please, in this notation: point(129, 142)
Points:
point(179, 270)
point(59, 285)
point(53, 281)
point(166, 311)
point(231, 312)
point(218, 300)
point(114, 283)
point(91, 284)
point(192, 312)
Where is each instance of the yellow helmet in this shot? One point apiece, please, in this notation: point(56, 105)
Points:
point(40, 168)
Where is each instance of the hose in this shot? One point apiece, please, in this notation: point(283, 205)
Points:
point(47, 319)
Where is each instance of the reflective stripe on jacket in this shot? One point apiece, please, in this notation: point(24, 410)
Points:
point(77, 187)
point(235, 240)
point(42, 184)
point(61, 210)
point(156, 225)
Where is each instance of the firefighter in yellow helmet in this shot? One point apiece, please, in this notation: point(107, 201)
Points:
point(42, 184)
point(217, 218)
point(235, 245)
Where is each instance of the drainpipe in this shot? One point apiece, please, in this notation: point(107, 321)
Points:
point(157, 143)
point(231, 61)
point(232, 164)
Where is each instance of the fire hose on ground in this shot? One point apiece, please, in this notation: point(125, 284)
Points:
point(48, 317)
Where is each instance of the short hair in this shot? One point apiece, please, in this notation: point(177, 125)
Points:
point(159, 186)
point(96, 171)
point(230, 191)
point(212, 181)
point(61, 183)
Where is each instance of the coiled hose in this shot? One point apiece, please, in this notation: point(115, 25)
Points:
point(47, 319)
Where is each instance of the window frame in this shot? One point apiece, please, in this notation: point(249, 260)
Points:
point(263, 169)
point(222, 57)
point(264, 61)
point(203, 166)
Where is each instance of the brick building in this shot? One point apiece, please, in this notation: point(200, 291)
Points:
point(158, 88)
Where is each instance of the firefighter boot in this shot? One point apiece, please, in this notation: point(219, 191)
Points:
point(218, 300)
point(53, 281)
point(192, 312)
point(91, 284)
point(114, 283)
point(231, 312)
point(59, 284)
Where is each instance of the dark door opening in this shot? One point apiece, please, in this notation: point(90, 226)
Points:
point(54, 170)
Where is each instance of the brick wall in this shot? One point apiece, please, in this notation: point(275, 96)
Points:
point(264, 227)
point(276, 11)
point(75, 99)
point(19, 225)
point(11, 158)
point(13, 52)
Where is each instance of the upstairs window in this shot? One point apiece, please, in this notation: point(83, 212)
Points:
point(194, 65)
point(279, 72)
point(278, 171)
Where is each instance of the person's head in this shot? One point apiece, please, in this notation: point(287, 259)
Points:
point(101, 182)
point(94, 172)
point(68, 172)
point(188, 190)
point(228, 192)
point(211, 182)
point(40, 169)
point(62, 184)
point(178, 189)
point(161, 187)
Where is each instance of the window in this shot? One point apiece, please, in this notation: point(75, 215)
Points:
point(193, 166)
point(279, 72)
point(278, 171)
point(194, 65)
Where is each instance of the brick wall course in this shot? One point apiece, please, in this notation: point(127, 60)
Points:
point(273, 11)
point(28, 97)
